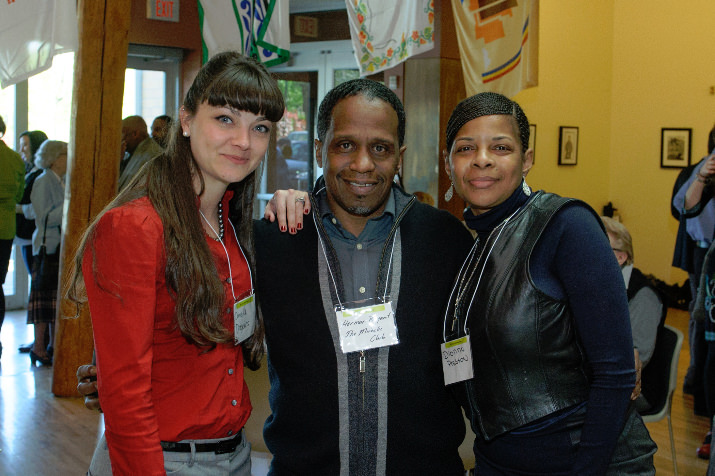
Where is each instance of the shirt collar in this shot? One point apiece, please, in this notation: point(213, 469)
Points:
point(626, 271)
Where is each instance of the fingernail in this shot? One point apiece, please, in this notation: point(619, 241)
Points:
point(300, 226)
point(283, 228)
point(292, 230)
point(306, 211)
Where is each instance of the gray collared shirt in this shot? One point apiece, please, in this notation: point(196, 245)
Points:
point(359, 257)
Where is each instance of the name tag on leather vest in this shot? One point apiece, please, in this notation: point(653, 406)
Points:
point(244, 318)
point(366, 327)
point(457, 360)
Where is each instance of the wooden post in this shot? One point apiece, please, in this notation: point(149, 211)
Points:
point(94, 151)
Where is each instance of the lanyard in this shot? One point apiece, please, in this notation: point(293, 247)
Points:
point(460, 286)
point(330, 271)
point(230, 273)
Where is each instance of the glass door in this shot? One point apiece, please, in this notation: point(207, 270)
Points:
point(314, 69)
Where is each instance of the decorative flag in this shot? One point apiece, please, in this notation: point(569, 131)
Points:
point(387, 32)
point(498, 43)
point(257, 28)
point(32, 32)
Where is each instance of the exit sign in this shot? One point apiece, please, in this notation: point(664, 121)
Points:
point(165, 10)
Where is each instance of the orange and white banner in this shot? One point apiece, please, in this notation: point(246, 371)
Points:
point(32, 32)
point(387, 32)
point(498, 44)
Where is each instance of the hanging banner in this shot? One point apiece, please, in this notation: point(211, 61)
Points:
point(498, 44)
point(386, 33)
point(32, 32)
point(258, 28)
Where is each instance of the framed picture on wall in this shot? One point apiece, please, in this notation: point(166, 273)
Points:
point(532, 139)
point(568, 145)
point(675, 148)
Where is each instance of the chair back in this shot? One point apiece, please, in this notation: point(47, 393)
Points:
point(660, 375)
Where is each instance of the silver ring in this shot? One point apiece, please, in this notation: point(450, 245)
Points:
point(300, 199)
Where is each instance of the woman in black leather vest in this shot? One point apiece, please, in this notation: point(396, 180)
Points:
point(541, 308)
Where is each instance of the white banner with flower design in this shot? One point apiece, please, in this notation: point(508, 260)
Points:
point(387, 32)
point(498, 44)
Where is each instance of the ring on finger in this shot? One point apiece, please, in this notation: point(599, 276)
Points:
point(300, 199)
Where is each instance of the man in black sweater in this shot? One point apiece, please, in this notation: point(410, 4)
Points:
point(341, 405)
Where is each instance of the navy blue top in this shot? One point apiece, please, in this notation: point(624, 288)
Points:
point(563, 268)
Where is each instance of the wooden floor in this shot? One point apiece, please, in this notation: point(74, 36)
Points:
point(44, 435)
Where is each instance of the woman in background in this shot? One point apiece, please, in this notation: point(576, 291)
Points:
point(47, 198)
point(29, 141)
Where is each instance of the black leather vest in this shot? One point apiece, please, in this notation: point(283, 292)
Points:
point(528, 362)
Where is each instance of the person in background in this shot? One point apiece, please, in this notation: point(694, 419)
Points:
point(139, 149)
point(30, 141)
point(695, 235)
point(424, 197)
point(160, 130)
point(12, 183)
point(645, 305)
point(167, 271)
point(697, 206)
point(540, 307)
point(47, 197)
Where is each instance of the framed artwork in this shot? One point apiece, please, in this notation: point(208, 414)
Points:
point(568, 145)
point(532, 139)
point(675, 148)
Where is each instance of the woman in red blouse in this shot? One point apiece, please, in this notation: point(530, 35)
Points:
point(167, 272)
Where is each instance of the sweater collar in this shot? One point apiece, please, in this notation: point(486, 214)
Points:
point(487, 221)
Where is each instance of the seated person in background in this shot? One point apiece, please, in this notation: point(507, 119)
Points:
point(644, 303)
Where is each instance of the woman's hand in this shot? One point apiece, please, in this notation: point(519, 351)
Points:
point(288, 207)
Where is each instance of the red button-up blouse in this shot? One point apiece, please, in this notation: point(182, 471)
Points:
point(153, 385)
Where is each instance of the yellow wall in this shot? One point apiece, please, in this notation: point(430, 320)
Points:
point(664, 66)
point(621, 70)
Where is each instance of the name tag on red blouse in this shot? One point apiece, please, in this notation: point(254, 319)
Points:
point(244, 318)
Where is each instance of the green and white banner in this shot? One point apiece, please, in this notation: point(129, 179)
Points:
point(257, 28)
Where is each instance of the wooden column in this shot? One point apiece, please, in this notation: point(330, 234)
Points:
point(93, 163)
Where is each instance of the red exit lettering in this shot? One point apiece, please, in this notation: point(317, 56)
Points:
point(165, 8)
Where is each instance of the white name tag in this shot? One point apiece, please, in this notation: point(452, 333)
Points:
point(457, 360)
point(244, 318)
point(366, 327)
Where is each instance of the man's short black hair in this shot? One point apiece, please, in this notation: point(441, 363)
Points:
point(365, 87)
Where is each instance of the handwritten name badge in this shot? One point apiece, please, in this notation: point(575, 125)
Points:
point(244, 318)
point(366, 327)
point(457, 360)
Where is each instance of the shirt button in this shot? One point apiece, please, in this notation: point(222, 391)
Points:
point(234, 402)
point(362, 289)
point(228, 280)
point(359, 246)
point(228, 310)
point(335, 221)
point(230, 371)
point(230, 432)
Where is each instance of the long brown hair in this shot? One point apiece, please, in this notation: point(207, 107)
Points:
point(227, 79)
